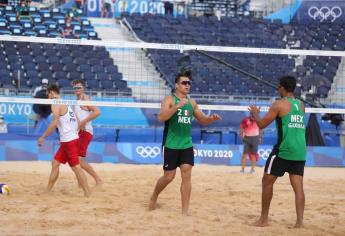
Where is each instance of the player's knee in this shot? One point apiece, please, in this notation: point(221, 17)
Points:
point(169, 177)
point(186, 171)
point(298, 188)
point(186, 179)
point(266, 181)
point(76, 168)
point(55, 164)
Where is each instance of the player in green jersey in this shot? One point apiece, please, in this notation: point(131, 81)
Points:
point(177, 111)
point(289, 154)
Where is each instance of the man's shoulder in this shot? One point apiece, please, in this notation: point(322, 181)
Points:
point(280, 103)
point(59, 107)
point(168, 98)
point(85, 98)
point(192, 101)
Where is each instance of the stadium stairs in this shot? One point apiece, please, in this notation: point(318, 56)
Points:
point(336, 94)
point(137, 70)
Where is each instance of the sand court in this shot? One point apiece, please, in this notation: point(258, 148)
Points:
point(223, 202)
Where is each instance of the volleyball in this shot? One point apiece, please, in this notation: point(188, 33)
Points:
point(4, 189)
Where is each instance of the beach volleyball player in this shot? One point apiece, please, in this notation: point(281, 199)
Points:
point(289, 154)
point(65, 120)
point(177, 111)
point(85, 115)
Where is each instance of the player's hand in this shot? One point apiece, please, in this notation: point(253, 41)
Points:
point(241, 136)
point(182, 102)
point(81, 125)
point(40, 141)
point(215, 117)
point(254, 110)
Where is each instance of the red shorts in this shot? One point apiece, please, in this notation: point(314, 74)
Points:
point(84, 141)
point(252, 155)
point(68, 152)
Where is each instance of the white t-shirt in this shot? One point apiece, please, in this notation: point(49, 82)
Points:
point(68, 126)
point(82, 114)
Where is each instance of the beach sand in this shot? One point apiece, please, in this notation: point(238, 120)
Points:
point(223, 202)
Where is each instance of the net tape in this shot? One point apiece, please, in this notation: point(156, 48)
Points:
point(149, 105)
point(181, 47)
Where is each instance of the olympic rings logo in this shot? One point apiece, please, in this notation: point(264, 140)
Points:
point(324, 13)
point(264, 153)
point(148, 151)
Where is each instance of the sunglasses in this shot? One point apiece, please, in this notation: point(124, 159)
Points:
point(77, 87)
point(185, 82)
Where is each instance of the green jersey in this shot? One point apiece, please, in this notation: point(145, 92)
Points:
point(177, 130)
point(291, 143)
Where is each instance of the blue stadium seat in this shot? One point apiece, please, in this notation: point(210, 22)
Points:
point(88, 76)
point(36, 19)
point(94, 61)
point(92, 84)
point(79, 60)
point(107, 62)
point(43, 66)
point(102, 76)
point(107, 84)
point(70, 67)
point(46, 74)
point(53, 59)
point(29, 66)
point(63, 53)
point(63, 83)
point(66, 60)
point(29, 33)
point(54, 34)
point(32, 73)
point(84, 67)
point(97, 68)
point(57, 67)
point(73, 75)
point(60, 75)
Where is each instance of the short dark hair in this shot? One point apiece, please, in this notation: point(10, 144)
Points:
point(53, 88)
point(78, 81)
point(288, 82)
point(187, 74)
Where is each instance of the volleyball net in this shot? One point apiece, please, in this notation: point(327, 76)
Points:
point(129, 79)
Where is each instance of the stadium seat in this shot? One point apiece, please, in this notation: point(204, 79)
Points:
point(64, 83)
point(239, 31)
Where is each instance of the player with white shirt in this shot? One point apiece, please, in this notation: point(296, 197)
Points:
point(85, 116)
point(66, 121)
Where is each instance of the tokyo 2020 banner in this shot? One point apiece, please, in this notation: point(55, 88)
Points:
point(151, 153)
point(129, 6)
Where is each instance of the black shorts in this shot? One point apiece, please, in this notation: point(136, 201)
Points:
point(278, 166)
point(173, 158)
point(251, 144)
